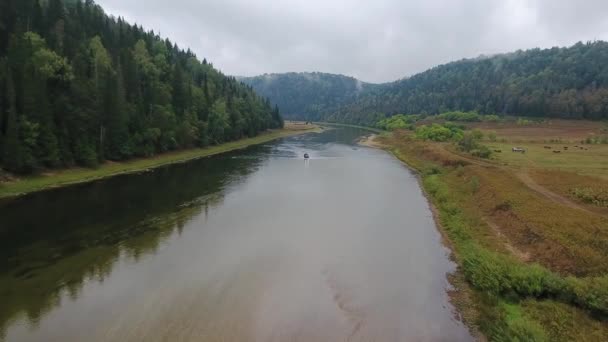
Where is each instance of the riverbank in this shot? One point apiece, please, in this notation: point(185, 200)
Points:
point(60, 178)
point(522, 274)
point(530, 267)
point(372, 129)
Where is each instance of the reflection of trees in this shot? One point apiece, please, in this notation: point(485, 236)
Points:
point(52, 243)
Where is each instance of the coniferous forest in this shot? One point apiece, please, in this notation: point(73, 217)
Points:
point(79, 87)
point(569, 83)
point(308, 95)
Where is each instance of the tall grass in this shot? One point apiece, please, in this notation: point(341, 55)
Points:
point(504, 275)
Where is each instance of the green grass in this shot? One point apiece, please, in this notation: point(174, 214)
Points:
point(593, 161)
point(82, 175)
point(500, 281)
point(372, 129)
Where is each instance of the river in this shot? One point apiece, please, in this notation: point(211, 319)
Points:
point(252, 245)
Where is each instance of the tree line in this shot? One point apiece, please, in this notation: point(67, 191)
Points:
point(78, 87)
point(308, 96)
point(570, 83)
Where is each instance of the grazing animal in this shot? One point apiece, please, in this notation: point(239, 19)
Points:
point(519, 149)
point(548, 147)
point(498, 151)
point(565, 147)
point(557, 151)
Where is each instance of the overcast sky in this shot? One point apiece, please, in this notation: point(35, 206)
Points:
point(373, 40)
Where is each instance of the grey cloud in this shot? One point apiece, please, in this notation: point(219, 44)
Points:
point(379, 40)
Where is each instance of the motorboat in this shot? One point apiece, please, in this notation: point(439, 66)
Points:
point(306, 156)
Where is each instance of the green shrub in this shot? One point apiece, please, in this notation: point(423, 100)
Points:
point(461, 116)
point(492, 136)
point(597, 197)
point(399, 121)
point(436, 132)
point(482, 152)
point(590, 293)
point(523, 122)
point(469, 142)
point(491, 118)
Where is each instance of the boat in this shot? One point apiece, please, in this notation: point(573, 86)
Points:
point(306, 156)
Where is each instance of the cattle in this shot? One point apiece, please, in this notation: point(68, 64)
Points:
point(498, 151)
point(519, 149)
point(548, 147)
point(557, 151)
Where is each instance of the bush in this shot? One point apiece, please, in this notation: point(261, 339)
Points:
point(398, 121)
point(461, 116)
point(523, 122)
point(482, 152)
point(597, 197)
point(437, 132)
point(590, 293)
point(491, 118)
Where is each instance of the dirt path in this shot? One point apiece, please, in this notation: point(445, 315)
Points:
point(524, 176)
point(521, 255)
point(529, 182)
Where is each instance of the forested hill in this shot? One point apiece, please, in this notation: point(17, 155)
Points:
point(559, 82)
point(78, 87)
point(308, 96)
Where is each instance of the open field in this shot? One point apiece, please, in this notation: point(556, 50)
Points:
point(525, 240)
point(561, 130)
point(582, 159)
point(20, 186)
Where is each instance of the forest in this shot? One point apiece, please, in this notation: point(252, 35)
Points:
point(308, 96)
point(569, 83)
point(79, 87)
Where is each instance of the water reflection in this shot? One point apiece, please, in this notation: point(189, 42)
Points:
point(52, 243)
point(253, 245)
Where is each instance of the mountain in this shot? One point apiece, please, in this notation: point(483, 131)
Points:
point(308, 96)
point(567, 82)
point(559, 82)
point(78, 87)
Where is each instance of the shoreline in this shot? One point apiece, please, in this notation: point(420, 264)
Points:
point(498, 294)
point(460, 293)
point(75, 176)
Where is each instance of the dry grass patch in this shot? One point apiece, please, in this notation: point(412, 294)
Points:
point(566, 130)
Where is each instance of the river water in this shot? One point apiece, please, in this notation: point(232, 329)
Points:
point(252, 245)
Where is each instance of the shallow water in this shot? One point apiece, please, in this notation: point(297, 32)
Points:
point(252, 245)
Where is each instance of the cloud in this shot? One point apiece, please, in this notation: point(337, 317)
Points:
point(377, 41)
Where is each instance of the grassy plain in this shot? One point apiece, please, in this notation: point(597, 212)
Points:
point(533, 255)
point(20, 186)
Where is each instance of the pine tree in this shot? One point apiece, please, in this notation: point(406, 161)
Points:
point(85, 86)
point(117, 146)
point(12, 154)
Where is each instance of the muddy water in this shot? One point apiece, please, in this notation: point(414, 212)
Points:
point(253, 245)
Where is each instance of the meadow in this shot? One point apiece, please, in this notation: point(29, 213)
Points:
point(522, 227)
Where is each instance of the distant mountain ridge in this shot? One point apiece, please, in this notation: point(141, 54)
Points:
point(570, 82)
point(308, 95)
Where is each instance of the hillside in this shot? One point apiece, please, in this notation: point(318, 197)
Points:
point(78, 87)
point(567, 82)
point(308, 96)
point(559, 82)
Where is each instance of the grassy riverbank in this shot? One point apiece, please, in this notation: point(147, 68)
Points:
point(533, 262)
point(67, 177)
point(372, 129)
